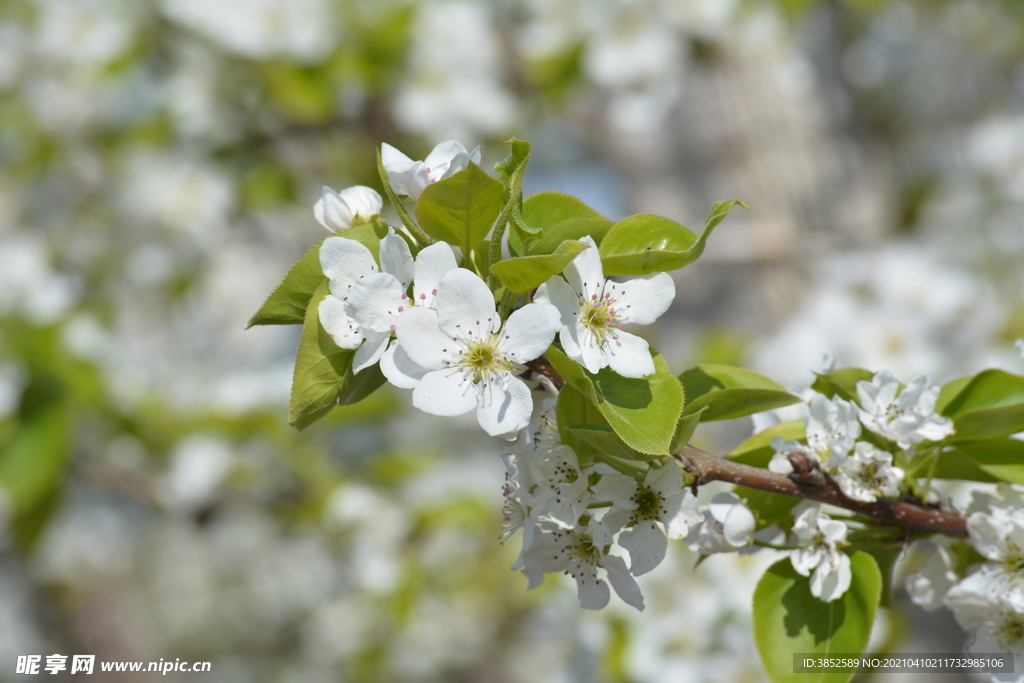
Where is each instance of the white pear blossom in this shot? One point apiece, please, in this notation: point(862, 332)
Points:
point(410, 177)
point(654, 509)
point(594, 310)
point(356, 205)
point(906, 417)
point(831, 567)
point(868, 474)
point(471, 359)
point(928, 587)
point(728, 526)
point(998, 535)
point(345, 262)
point(582, 552)
point(981, 604)
point(832, 428)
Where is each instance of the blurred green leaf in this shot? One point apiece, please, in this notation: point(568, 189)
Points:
point(789, 620)
point(771, 507)
point(461, 209)
point(998, 459)
point(33, 459)
point(723, 392)
point(841, 383)
point(303, 94)
point(527, 272)
point(287, 304)
point(988, 406)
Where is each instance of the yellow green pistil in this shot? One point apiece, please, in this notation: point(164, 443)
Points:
point(648, 503)
point(585, 551)
point(1011, 631)
point(482, 357)
point(600, 317)
point(1013, 561)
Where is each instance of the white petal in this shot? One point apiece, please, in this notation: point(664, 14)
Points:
point(646, 544)
point(432, 264)
point(644, 299)
point(474, 156)
point(628, 354)
point(806, 559)
point(623, 583)
point(390, 156)
point(395, 258)
point(619, 489)
point(722, 504)
point(446, 159)
point(363, 202)
point(738, 527)
point(405, 176)
point(590, 355)
point(337, 324)
point(374, 302)
point(399, 369)
point(371, 350)
point(332, 212)
point(832, 577)
point(503, 411)
point(559, 294)
point(592, 591)
point(344, 261)
point(585, 274)
point(445, 392)
point(681, 513)
point(465, 306)
point(421, 338)
point(529, 331)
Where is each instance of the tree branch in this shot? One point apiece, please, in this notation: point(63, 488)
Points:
point(818, 486)
point(808, 482)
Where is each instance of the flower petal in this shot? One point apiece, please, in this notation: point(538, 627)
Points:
point(395, 258)
point(337, 323)
point(557, 292)
point(503, 411)
point(585, 274)
point(644, 299)
point(332, 212)
point(363, 202)
point(422, 340)
point(529, 331)
point(592, 591)
point(445, 392)
point(681, 513)
point(623, 583)
point(646, 544)
point(832, 577)
point(399, 369)
point(371, 350)
point(432, 264)
point(629, 355)
point(375, 302)
point(465, 306)
point(344, 261)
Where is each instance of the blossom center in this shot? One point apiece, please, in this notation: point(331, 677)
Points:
point(483, 357)
point(1011, 631)
point(648, 503)
point(600, 317)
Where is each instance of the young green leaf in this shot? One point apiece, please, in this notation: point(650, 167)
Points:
point(1000, 459)
point(528, 272)
point(841, 383)
point(989, 406)
point(643, 412)
point(511, 170)
point(757, 450)
point(685, 428)
point(287, 304)
point(604, 440)
point(323, 372)
point(544, 210)
point(569, 229)
point(724, 392)
point(627, 249)
point(789, 620)
point(461, 209)
point(512, 167)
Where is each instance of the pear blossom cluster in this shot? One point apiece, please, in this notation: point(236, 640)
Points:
point(901, 416)
point(989, 600)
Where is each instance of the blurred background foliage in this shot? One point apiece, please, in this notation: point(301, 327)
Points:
point(158, 166)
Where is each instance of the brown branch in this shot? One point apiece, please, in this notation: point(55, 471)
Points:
point(808, 481)
point(816, 485)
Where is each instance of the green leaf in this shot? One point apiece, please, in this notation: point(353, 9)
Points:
point(631, 247)
point(323, 372)
point(885, 558)
point(950, 391)
point(789, 620)
point(842, 382)
point(461, 209)
point(511, 171)
point(988, 406)
point(724, 392)
point(544, 210)
point(527, 272)
point(573, 408)
point(1000, 459)
point(569, 229)
point(512, 167)
point(757, 450)
point(685, 428)
point(643, 412)
point(603, 439)
point(287, 304)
